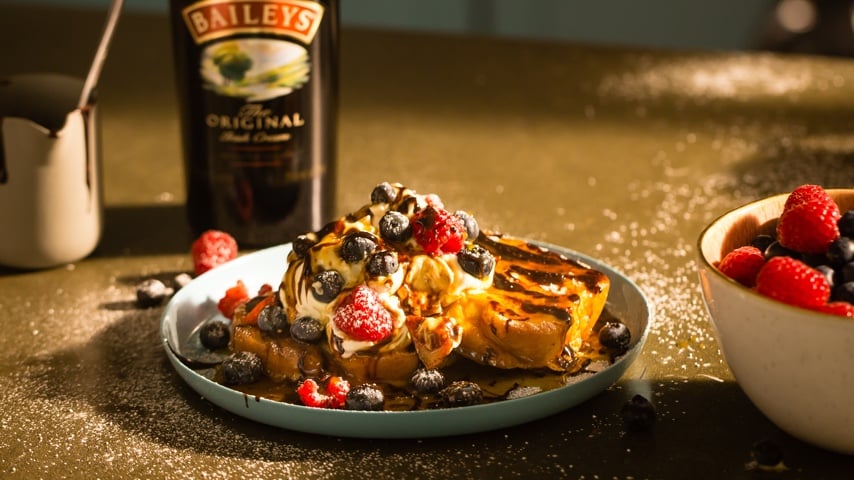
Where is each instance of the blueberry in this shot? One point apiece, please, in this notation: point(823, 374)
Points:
point(394, 227)
point(846, 224)
point(472, 228)
point(615, 335)
point(461, 393)
point(365, 397)
point(841, 251)
point(762, 242)
point(427, 381)
point(241, 368)
point(326, 285)
point(151, 293)
point(766, 453)
point(215, 335)
point(383, 193)
point(382, 264)
point(357, 246)
point(778, 250)
point(302, 244)
point(846, 273)
point(638, 414)
point(828, 272)
point(182, 280)
point(272, 319)
point(476, 261)
point(306, 329)
point(843, 293)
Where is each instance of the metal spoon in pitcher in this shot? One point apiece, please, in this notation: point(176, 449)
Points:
point(101, 53)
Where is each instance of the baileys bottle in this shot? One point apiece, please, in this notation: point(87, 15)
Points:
point(257, 82)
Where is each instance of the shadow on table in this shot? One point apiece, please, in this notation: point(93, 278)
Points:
point(138, 231)
point(703, 425)
point(144, 230)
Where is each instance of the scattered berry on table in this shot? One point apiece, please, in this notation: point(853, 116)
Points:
point(793, 282)
point(182, 280)
point(382, 264)
point(427, 380)
point(212, 249)
point(810, 226)
point(395, 227)
point(151, 293)
point(742, 265)
point(272, 319)
point(365, 397)
point(233, 298)
point(766, 454)
point(461, 393)
point(357, 246)
point(306, 329)
point(214, 335)
point(383, 193)
point(476, 261)
point(438, 231)
point(615, 335)
point(362, 315)
point(242, 368)
point(326, 285)
point(638, 414)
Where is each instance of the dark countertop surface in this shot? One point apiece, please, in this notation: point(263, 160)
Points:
point(618, 153)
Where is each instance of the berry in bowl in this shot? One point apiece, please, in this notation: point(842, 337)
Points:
point(777, 277)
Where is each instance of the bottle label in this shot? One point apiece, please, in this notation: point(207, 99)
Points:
point(211, 19)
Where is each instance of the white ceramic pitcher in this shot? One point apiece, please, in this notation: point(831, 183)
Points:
point(50, 180)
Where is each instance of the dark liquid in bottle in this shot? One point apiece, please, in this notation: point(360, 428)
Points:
point(257, 83)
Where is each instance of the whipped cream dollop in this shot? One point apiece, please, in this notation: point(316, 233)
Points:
point(416, 256)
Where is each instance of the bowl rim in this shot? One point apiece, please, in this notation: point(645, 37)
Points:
point(818, 316)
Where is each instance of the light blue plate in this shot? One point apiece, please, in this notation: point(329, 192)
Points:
point(196, 303)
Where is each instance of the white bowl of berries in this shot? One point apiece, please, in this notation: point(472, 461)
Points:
point(777, 277)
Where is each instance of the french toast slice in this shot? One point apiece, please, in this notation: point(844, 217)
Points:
point(538, 312)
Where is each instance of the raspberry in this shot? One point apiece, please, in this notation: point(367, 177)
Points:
point(362, 316)
point(806, 193)
point(843, 309)
point(335, 396)
point(438, 231)
point(233, 298)
point(793, 282)
point(310, 396)
point(809, 226)
point(742, 265)
point(336, 389)
point(212, 249)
